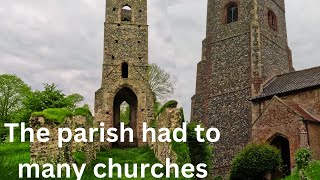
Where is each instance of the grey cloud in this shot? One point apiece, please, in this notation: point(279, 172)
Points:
point(61, 41)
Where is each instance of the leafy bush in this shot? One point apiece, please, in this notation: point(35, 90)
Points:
point(199, 152)
point(303, 157)
point(182, 151)
point(254, 161)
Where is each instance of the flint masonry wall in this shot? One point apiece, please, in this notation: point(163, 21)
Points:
point(125, 68)
point(228, 70)
point(49, 152)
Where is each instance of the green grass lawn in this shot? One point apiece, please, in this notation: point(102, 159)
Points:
point(10, 157)
point(13, 154)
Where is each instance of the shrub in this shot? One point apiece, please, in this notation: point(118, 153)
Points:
point(254, 161)
point(199, 152)
point(303, 157)
point(182, 151)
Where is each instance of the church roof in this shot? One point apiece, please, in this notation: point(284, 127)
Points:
point(289, 82)
point(302, 112)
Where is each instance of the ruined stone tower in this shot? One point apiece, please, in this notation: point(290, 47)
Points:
point(125, 68)
point(246, 44)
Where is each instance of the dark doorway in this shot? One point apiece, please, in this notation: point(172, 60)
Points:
point(282, 144)
point(125, 97)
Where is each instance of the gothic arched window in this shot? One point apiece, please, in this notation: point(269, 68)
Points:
point(232, 12)
point(272, 20)
point(126, 13)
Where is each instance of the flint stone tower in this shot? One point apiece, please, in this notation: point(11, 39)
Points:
point(125, 69)
point(245, 45)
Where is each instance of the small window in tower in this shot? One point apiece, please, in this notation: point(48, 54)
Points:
point(124, 70)
point(126, 13)
point(232, 12)
point(272, 20)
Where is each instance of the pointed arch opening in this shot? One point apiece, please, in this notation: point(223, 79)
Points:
point(125, 108)
point(282, 143)
point(126, 13)
point(232, 12)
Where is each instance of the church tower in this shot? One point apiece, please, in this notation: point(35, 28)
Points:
point(125, 69)
point(245, 45)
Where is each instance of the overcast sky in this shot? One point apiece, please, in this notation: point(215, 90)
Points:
point(61, 41)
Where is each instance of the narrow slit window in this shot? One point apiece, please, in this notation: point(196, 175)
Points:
point(232, 13)
point(125, 70)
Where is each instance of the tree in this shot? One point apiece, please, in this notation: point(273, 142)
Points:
point(12, 93)
point(50, 97)
point(160, 82)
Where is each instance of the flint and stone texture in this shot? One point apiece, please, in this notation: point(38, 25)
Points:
point(49, 152)
point(125, 69)
point(237, 59)
point(171, 119)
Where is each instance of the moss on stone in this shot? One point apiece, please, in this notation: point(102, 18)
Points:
point(59, 115)
point(169, 104)
point(56, 115)
point(182, 115)
point(84, 112)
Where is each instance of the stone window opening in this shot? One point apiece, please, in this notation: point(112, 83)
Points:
point(272, 20)
point(126, 13)
point(124, 70)
point(232, 12)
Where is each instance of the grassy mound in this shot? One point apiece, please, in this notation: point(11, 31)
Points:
point(59, 115)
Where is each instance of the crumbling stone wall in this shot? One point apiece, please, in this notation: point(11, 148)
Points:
point(170, 118)
point(125, 42)
point(49, 152)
